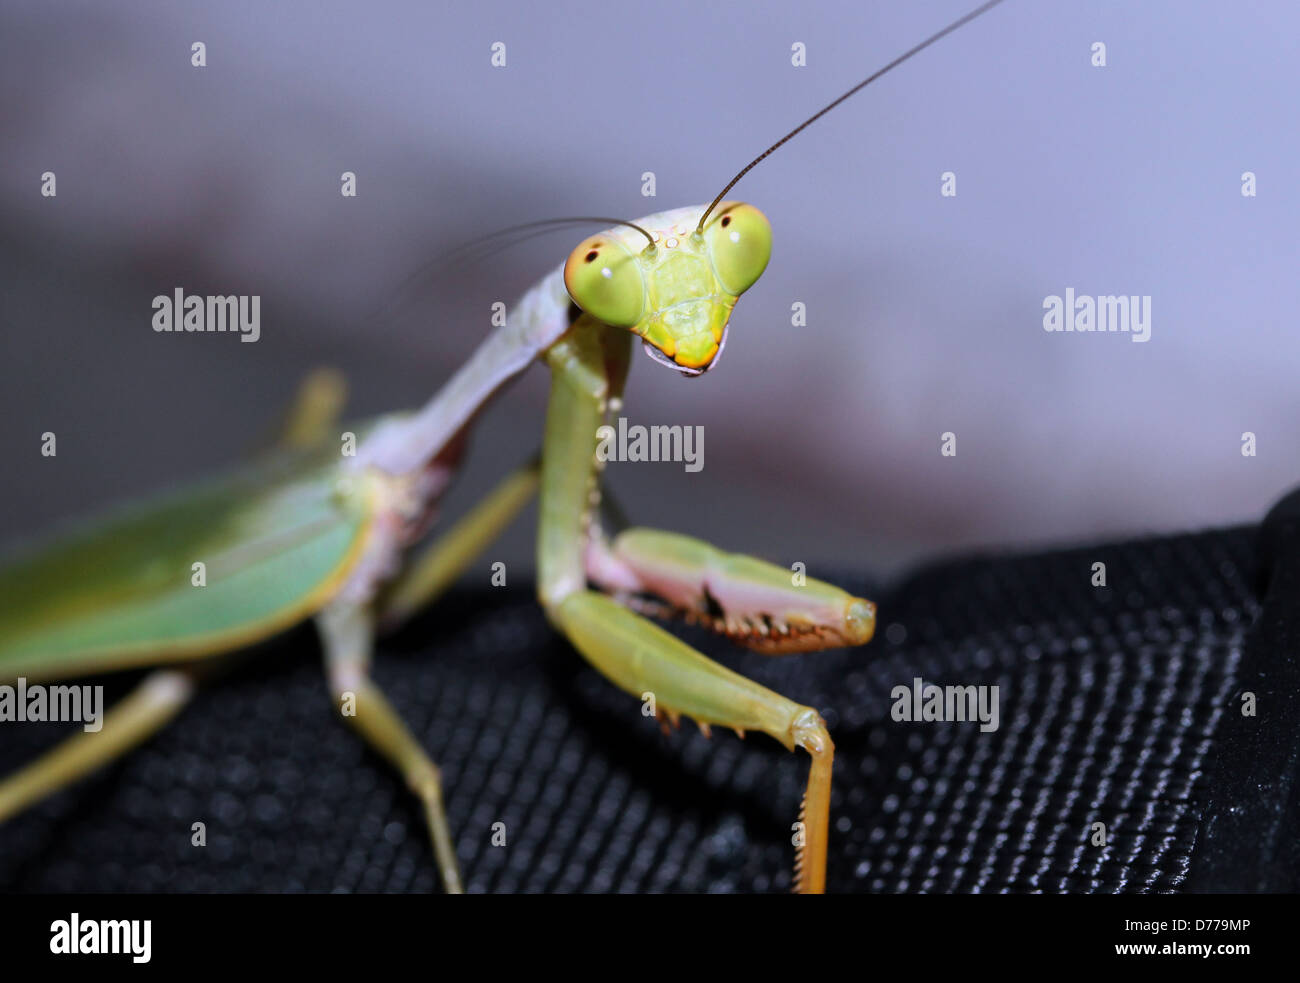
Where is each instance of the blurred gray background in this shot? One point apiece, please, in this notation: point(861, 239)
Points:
point(821, 442)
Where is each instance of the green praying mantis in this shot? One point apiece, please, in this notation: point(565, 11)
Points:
point(307, 532)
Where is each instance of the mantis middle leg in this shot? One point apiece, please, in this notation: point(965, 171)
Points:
point(347, 634)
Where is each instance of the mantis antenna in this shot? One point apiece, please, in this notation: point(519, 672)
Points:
point(476, 249)
point(576, 220)
point(826, 109)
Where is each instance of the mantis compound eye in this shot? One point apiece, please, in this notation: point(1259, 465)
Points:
point(739, 239)
point(604, 279)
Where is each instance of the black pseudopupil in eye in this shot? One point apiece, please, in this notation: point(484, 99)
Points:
point(591, 255)
point(726, 220)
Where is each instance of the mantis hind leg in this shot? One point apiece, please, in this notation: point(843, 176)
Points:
point(347, 633)
point(141, 714)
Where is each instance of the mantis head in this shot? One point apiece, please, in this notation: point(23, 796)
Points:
point(671, 280)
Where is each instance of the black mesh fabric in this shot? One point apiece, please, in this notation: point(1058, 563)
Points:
point(1110, 699)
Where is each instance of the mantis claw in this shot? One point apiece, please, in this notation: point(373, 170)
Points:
point(753, 603)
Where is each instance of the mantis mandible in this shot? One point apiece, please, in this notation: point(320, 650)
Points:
point(309, 533)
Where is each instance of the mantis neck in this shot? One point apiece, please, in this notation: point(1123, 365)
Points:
point(414, 443)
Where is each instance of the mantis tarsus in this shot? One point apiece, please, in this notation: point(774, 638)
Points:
point(309, 533)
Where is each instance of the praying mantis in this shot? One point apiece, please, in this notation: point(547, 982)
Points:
point(310, 533)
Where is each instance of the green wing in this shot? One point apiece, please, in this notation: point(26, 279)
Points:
point(276, 538)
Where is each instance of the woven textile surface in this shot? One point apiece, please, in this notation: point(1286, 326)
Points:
point(1109, 699)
